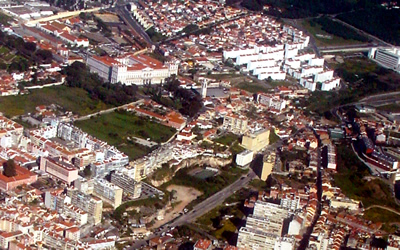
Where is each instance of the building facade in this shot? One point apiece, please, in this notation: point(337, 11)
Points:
point(59, 169)
point(256, 141)
point(268, 165)
point(389, 58)
point(90, 204)
point(235, 123)
point(128, 184)
point(108, 192)
point(130, 69)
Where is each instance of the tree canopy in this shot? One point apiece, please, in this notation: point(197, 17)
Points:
point(9, 168)
point(116, 94)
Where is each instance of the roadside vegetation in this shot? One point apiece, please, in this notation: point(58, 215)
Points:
point(4, 19)
point(328, 32)
point(390, 220)
point(225, 228)
point(350, 179)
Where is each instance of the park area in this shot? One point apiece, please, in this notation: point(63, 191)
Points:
point(72, 99)
point(119, 128)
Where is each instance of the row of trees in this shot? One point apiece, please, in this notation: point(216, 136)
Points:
point(78, 75)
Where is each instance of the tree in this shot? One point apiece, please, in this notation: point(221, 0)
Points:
point(87, 171)
point(9, 168)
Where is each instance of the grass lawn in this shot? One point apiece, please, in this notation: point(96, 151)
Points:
point(386, 217)
point(227, 139)
point(236, 148)
point(3, 50)
point(72, 99)
point(394, 107)
point(349, 179)
point(253, 87)
point(115, 127)
point(325, 41)
point(134, 151)
point(273, 137)
point(4, 19)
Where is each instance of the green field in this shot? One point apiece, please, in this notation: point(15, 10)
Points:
point(119, 125)
point(116, 128)
point(71, 99)
point(314, 28)
point(259, 87)
point(227, 139)
point(253, 87)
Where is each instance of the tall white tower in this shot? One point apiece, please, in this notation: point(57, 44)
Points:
point(204, 89)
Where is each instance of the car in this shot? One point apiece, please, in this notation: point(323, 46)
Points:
point(242, 177)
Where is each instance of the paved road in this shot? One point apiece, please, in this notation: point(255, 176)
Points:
point(105, 111)
point(144, 142)
point(203, 207)
point(130, 21)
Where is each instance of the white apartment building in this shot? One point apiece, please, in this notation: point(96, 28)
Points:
point(80, 216)
point(290, 202)
point(267, 209)
point(271, 101)
point(250, 238)
point(244, 158)
point(131, 69)
point(270, 225)
point(235, 123)
point(387, 57)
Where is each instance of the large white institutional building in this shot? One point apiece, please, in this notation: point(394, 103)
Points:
point(387, 57)
point(131, 69)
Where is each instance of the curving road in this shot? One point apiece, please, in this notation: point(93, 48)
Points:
point(201, 208)
point(384, 208)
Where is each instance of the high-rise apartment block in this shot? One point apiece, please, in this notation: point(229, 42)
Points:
point(108, 192)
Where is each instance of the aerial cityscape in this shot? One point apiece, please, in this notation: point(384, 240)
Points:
point(200, 124)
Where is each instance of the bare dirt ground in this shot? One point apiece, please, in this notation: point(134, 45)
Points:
point(184, 196)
